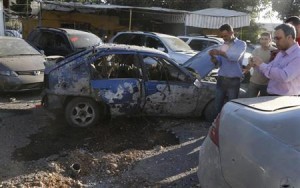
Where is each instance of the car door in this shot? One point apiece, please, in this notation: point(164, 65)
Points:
point(116, 81)
point(168, 89)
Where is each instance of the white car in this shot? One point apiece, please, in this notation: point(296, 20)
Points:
point(177, 50)
point(199, 43)
point(254, 142)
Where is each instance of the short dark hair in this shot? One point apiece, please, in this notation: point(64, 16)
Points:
point(266, 34)
point(226, 27)
point(294, 20)
point(288, 29)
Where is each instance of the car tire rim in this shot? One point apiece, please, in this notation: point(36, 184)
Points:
point(83, 114)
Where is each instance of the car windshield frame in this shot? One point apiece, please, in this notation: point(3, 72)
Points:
point(15, 47)
point(176, 44)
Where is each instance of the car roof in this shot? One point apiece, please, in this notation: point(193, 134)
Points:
point(147, 33)
point(73, 31)
point(65, 30)
point(269, 103)
point(214, 37)
point(112, 46)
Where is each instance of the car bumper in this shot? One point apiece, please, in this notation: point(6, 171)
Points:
point(21, 83)
point(209, 169)
point(52, 102)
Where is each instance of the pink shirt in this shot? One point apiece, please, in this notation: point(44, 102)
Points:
point(284, 72)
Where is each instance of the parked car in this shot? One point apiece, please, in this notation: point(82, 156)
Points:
point(253, 143)
point(127, 80)
point(21, 66)
point(173, 46)
point(199, 43)
point(61, 41)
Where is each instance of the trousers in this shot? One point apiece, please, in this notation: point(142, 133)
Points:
point(226, 90)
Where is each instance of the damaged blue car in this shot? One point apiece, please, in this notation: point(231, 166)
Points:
point(113, 80)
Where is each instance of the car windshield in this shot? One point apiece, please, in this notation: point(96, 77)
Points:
point(16, 47)
point(84, 40)
point(176, 44)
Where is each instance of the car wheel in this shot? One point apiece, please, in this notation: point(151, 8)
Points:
point(82, 112)
point(210, 111)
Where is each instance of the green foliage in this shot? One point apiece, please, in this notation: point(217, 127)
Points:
point(251, 32)
point(286, 8)
point(191, 5)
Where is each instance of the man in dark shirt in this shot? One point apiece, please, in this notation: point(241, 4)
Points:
point(295, 21)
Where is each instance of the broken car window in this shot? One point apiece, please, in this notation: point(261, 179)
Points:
point(116, 66)
point(162, 70)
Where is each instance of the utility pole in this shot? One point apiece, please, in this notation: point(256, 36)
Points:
point(1, 18)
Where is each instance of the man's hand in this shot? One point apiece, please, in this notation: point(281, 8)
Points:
point(214, 52)
point(214, 60)
point(256, 61)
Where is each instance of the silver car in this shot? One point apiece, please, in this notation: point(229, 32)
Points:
point(21, 66)
point(177, 50)
point(254, 142)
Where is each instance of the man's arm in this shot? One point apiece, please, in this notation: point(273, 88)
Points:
point(213, 53)
point(237, 51)
point(286, 74)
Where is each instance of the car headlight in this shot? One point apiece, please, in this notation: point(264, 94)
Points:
point(8, 73)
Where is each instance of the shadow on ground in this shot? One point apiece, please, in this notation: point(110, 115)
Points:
point(112, 136)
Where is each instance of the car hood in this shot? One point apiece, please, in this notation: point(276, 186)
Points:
point(182, 57)
point(201, 62)
point(22, 63)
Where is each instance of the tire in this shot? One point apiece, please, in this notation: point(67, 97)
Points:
point(210, 111)
point(82, 112)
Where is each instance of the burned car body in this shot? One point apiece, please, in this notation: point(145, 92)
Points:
point(124, 80)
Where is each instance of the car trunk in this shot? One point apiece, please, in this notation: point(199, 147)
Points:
point(276, 116)
point(261, 135)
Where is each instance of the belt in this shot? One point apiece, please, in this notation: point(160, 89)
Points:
point(229, 78)
point(269, 94)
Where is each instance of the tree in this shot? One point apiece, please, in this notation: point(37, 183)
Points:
point(191, 5)
point(286, 8)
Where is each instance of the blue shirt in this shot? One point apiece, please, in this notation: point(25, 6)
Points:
point(231, 66)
